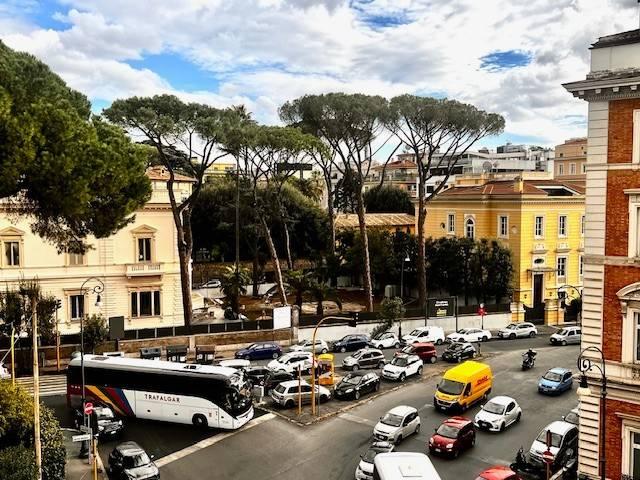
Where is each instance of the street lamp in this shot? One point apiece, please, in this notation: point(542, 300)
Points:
point(584, 366)
point(404, 260)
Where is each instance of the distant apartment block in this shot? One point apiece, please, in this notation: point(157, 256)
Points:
point(570, 162)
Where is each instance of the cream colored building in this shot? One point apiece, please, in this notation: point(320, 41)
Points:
point(138, 265)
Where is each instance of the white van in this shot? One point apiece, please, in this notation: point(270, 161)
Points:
point(403, 465)
point(425, 334)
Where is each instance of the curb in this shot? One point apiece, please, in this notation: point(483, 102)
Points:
point(102, 472)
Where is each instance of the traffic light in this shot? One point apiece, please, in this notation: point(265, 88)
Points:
point(355, 316)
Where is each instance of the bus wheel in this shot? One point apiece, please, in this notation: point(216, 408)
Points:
point(199, 420)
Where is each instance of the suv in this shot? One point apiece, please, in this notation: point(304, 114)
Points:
point(351, 343)
point(364, 358)
point(564, 446)
point(259, 351)
point(402, 366)
point(286, 393)
point(453, 436)
point(396, 424)
point(566, 335)
point(426, 351)
point(425, 334)
point(456, 352)
point(518, 330)
point(129, 460)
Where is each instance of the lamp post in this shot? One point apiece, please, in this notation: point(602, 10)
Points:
point(561, 289)
point(585, 365)
point(404, 260)
point(97, 289)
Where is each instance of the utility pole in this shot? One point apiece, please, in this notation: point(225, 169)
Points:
point(13, 356)
point(36, 388)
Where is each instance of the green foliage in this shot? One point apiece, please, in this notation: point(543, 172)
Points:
point(388, 199)
point(299, 282)
point(16, 434)
point(391, 310)
point(18, 463)
point(95, 332)
point(16, 311)
point(76, 175)
point(234, 284)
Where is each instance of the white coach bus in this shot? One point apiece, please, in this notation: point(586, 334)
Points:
point(204, 395)
point(403, 466)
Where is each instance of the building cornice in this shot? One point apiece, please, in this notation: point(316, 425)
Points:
point(612, 260)
point(605, 89)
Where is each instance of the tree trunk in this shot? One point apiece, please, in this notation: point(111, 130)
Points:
point(185, 246)
point(332, 221)
point(299, 298)
point(287, 244)
point(274, 260)
point(365, 248)
point(255, 273)
point(422, 271)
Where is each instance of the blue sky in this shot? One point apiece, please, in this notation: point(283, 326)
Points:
point(494, 54)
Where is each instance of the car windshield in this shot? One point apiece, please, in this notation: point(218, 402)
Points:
point(553, 376)
point(463, 331)
point(391, 419)
point(237, 401)
point(253, 346)
point(407, 349)
point(358, 354)
point(556, 439)
point(382, 336)
point(450, 387)
point(104, 413)
point(280, 388)
point(352, 379)
point(447, 431)
point(399, 361)
point(563, 332)
point(416, 332)
point(371, 454)
point(137, 460)
point(493, 407)
point(511, 326)
point(572, 417)
point(456, 346)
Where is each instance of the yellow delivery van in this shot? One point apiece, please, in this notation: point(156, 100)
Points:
point(463, 385)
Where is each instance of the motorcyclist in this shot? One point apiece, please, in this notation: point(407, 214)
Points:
point(528, 358)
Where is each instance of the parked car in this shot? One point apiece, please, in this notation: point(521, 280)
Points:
point(402, 366)
point(4, 372)
point(213, 283)
point(556, 380)
point(499, 472)
point(129, 461)
point(566, 336)
point(386, 340)
point(457, 352)
point(425, 334)
point(497, 414)
point(108, 424)
point(286, 393)
point(564, 446)
point(518, 330)
point(453, 436)
point(364, 358)
point(260, 351)
point(256, 375)
point(426, 351)
point(573, 417)
point(349, 343)
point(364, 470)
point(355, 384)
point(306, 346)
point(469, 335)
point(292, 361)
point(272, 380)
point(396, 424)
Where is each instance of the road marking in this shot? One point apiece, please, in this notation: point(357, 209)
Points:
point(210, 441)
point(356, 419)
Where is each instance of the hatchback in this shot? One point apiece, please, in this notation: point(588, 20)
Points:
point(286, 393)
point(259, 351)
point(355, 384)
point(364, 358)
point(426, 351)
point(566, 336)
point(453, 436)
point(564, 445)
point(272, 379)
point(498, 413)
point(129, 460)
point(456, 352)
point(349, 343)
point(555, 381)
point(396, 424)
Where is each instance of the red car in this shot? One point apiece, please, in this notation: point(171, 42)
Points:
point(453, 436)
point(426, 351)
point(499, 472)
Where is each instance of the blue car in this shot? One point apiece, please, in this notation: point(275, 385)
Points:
point(260, 351)
point(556, 381)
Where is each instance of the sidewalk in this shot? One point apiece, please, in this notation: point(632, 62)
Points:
point(78, 468)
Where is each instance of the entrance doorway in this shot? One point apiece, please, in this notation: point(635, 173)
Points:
point(535, 313)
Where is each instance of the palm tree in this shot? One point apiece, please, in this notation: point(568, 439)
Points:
point(234, 283)
point(298, 283)
point(321, 293)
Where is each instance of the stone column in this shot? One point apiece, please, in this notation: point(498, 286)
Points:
point(517, 312)
point(553, 315)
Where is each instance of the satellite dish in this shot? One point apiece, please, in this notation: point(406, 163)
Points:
point(486, 167)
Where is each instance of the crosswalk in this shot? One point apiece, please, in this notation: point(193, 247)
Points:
point(50, 385)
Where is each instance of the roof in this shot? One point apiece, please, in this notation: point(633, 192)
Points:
point(129, 448)
point(466, 369)
point(350, 220)
point(501, 400)
point(560, 370)
point(457, 421)
point(560, 427)
point(622, 38)
point(159, 172)
point(291, 383)
point(397, 164)
point(499, 472)
point(401, 410)
point(543, 188)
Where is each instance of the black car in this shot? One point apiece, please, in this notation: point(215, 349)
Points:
point(364, 358)
point(355, 384)
point(256, 375)
point(272, 380)
point(458, 351)
point(349, 343)
point(129, 461)
point(108, 424)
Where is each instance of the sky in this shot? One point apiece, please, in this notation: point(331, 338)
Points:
point(505, 56)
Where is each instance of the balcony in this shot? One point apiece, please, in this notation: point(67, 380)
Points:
point(146, 269)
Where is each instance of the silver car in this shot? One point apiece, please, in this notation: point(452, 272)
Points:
point(396, 424)
point(518, 330)
point(305, 346)
point(286, 393)
point(566, 336)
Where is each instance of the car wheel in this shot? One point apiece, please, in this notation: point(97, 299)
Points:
point(512, 336)
point(343, 349)
point(532, 334)
point(485, 338)
point(381, 365)
point(420, 370)
point(473, 441)
point(456, 453)
point(324, 398)
point(355, 367)
point(246, 357)
point(502, 426)
point(433, 359)
point(518, 417)
point(288, 404)
point(564, 343)
point(274, 355)
point(417, 430)
point(399, 439)
point(396, 345)
point(199, 420)
point(377, 386)
point(402, 377)
point(357, 395)
point(439, 341)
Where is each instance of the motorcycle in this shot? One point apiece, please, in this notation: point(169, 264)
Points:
point(529, 359)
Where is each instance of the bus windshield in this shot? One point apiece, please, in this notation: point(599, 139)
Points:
point(237, 401)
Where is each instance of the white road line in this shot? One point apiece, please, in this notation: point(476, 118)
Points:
point(210, 441)
point(356, 419)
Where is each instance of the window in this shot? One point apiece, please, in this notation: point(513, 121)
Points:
point(581, 265)
point(582, 225)
point(561, 267)
point(634, 471)
point(635, 156)
point(503, 226)
point(561, 169)
point(636, 350)
point(12, 254)
point(451, 223)
point(539, 227)
point(584, 168)
point(75, 259)
point(76, 306)
point(470, 228)
point(562, 225)
point(572, 168)
point(144, 249)
point(145, 303)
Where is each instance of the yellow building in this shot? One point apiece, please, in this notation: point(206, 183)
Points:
point(219, 169)
point(540, 220)
point(138, 265)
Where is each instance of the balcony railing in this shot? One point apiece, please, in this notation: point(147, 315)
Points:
point(144, 269)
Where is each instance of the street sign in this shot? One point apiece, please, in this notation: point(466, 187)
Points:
point(88, 408)
point(441, 307)
point(481, 311)
point(85, 429)
point(548, 457)
point(85, 437)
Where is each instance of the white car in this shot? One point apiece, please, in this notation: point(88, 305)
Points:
point(425, 334)
point(497, 414)
point(386, 340)
point(518, 330)
point(397, 424)
point(469, 335)
point(402, 366)
point(4, 372)
point(286, 393)
point(364, 470)
point(291, 362)
point(305, 346)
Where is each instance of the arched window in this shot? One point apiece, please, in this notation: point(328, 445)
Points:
point(470, 228)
